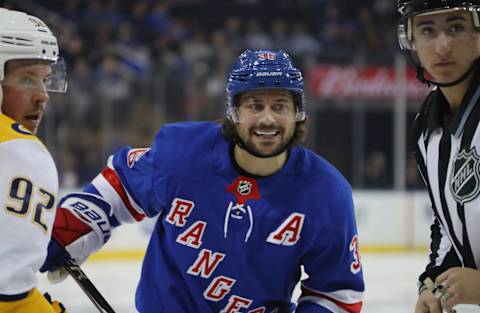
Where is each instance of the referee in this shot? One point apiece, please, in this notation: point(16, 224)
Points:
point(442, 38)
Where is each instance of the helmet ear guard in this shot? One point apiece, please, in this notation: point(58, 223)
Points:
point(263, 70)
point(404, 34)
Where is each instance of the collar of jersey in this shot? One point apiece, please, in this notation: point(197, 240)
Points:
point(226, 168)
point(439, 111)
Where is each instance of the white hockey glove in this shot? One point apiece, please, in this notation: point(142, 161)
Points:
point(81, 227)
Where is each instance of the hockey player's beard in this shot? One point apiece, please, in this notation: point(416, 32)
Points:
point(251, 148)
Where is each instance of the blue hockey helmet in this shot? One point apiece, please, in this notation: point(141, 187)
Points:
point(264, 69)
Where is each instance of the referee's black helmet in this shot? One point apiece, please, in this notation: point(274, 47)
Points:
point(414, 7)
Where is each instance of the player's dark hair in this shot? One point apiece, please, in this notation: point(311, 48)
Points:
point(230, 132)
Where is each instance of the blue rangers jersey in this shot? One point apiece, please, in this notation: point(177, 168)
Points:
point(226, 241)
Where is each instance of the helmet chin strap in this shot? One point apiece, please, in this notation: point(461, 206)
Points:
point(421, 76)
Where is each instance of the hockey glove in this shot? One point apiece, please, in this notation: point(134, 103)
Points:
point(81, 227)
point(57, 306)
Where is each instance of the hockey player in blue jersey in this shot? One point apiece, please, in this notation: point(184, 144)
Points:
point(240, 207)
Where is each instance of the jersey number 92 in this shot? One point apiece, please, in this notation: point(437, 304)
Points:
point(23, 197)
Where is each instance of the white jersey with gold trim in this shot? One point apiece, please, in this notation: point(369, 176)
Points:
point(28, 194)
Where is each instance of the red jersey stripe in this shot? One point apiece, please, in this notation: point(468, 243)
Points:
point(114, 181)
point(349, 307)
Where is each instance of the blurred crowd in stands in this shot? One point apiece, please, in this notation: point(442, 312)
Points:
point(134, 65)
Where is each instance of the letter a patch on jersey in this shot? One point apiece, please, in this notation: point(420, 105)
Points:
point(288, 233)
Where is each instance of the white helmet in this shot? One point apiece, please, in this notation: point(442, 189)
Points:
point(23, 36)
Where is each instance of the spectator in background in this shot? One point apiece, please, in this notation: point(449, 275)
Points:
point(303, 45)
point(255, 36)
point(413, 179)
point(279, 34)
point(376, 174)
point(150, 42)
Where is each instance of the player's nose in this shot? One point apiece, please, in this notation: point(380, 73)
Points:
point(443, 43)
point(41, 94)
point(267, 117)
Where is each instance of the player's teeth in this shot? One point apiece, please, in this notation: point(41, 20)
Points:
point(266, 133)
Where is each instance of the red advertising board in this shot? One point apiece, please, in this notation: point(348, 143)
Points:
point(362, 83)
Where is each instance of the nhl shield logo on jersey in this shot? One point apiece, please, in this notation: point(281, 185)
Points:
point(244, 187)
point(464, 180)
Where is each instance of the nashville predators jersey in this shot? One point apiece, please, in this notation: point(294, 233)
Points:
point(28, 192)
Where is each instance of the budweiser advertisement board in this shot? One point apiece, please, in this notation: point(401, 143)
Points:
point(362, 83)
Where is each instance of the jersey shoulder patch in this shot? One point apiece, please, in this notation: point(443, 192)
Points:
point(11, 130)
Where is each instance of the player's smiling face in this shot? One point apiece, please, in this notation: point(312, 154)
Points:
point(24, 92)
point(266, 120)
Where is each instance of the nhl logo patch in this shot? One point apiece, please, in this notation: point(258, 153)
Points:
point(465, 177)
point(244, 187)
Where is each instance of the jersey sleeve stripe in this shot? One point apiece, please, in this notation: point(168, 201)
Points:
point(113, 180)
point(110, 195)
point(349, 301)
point(445, 245)
point(330, 305)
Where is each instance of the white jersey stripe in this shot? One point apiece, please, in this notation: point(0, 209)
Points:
point(432, 163)
point(445, 246)
point(451, 203)
point(132, 203)
point(108, 192)
point(110, 195)
point(325, 303)
point(347, 296)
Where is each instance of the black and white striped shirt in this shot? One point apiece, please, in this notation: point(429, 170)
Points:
point(448, 156)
